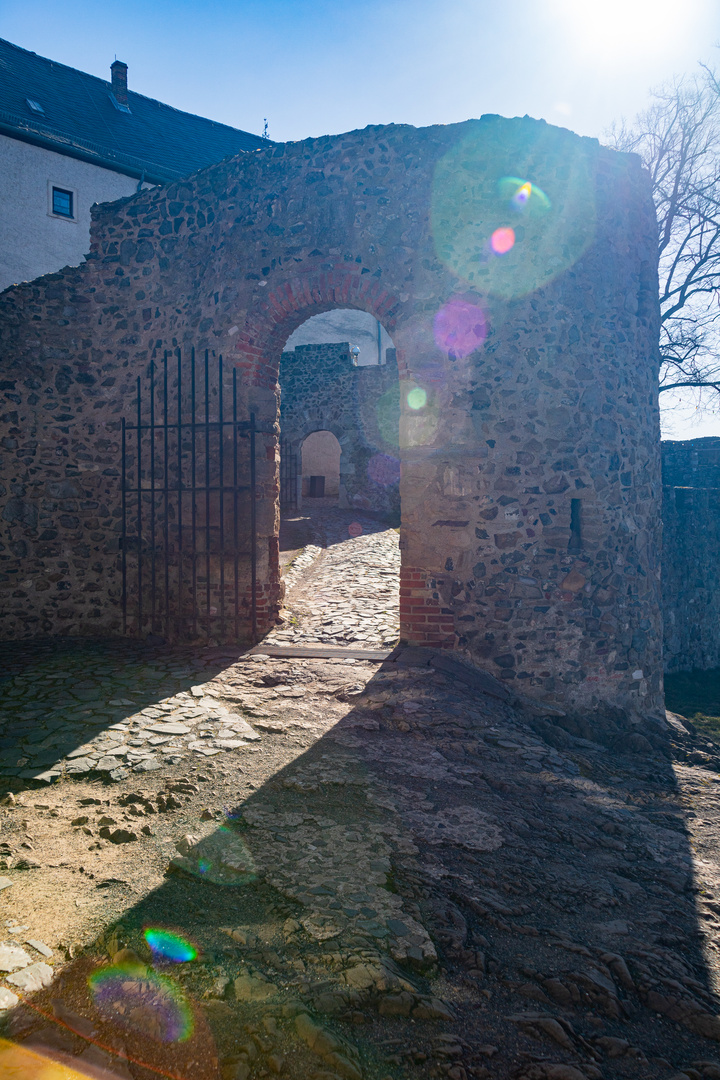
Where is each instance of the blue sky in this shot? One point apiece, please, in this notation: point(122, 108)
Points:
point(315, 67)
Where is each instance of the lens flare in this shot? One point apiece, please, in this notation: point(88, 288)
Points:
point(502, 240)
point(488, 189)
point(149, 1003)
point(523, 196)
point(386, 435)
point(384, 470)
point(417, 398)
point(165, 945)
point(355, 529)
point(22, 1063)
point(460, 328)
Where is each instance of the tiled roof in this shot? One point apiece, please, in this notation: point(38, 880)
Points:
point(79, 118)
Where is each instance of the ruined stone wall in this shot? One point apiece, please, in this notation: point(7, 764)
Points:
point(321, 390)
point(691, 547)
point(525, 320)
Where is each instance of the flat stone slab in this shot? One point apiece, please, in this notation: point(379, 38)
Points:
point(241, 729)
point(8, 1000)
point(107, 764)
point(32, 978)
point(80, 765)
point(320, 652)
point(40, 947)
point(80, 752)
point(172, 727)
point(12, 957)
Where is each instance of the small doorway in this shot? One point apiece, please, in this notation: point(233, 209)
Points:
point(321, 454)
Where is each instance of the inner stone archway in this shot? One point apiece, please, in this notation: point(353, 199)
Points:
point(512, 264)
point(320, 456)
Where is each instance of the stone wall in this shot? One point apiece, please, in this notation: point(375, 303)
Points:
point(525, 319)
point(321, 390)
point(691, 554)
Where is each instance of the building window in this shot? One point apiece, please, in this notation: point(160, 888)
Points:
point(63, 203)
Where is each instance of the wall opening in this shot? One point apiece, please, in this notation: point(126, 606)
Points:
point(371, 345)
point(575, 542)
point(339, 423)
point(321, 466)
point(331, 381)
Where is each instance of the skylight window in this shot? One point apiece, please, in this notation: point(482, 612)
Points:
point(118, 106)
point(35, 106)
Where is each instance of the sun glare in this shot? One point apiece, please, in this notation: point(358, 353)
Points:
point(622, 29)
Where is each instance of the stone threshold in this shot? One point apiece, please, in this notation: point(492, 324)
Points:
point(320, 652)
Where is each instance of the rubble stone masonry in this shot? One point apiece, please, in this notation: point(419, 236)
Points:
point(514, 266)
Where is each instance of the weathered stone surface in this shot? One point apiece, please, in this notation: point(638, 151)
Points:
point(323, 391)
point(334, 1051)
point(8, 1000)
point(250, 988)
point(31, 978)
point(13, 957)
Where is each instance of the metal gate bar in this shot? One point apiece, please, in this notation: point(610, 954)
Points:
point(155, 507)
point(288, 478)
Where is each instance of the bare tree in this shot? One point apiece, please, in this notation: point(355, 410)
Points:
point(678, 139)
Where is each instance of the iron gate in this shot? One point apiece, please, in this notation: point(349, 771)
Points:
point(189, 537)
point(288, 478)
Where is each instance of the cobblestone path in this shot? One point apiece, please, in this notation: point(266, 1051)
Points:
point(347, 591)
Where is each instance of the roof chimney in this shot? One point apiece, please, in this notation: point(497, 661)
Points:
point(118, 71)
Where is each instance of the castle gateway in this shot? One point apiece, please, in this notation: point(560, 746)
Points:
point(514, 266)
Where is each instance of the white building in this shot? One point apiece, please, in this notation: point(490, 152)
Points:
point(68, 140)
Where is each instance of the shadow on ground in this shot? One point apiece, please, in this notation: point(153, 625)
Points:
point(61, 695)
point(438, 886)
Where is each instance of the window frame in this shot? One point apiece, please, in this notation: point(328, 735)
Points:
point(54, 186)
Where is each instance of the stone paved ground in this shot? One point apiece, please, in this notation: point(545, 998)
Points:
point(391, 876)
point(344, 588)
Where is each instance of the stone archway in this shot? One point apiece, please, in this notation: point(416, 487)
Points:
point(526, 349)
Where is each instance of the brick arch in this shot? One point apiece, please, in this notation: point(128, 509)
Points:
point(424, 617)
point(288, 305)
